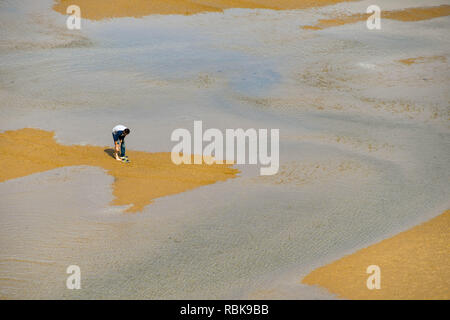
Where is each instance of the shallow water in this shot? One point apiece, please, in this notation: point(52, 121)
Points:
point(364, 146)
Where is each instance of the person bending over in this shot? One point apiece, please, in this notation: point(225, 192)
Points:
point(119, 133)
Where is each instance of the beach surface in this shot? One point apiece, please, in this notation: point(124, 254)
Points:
point(413, 265)
point(410, 14)
point(364, 149)
point(136, 184)
point(102, 9)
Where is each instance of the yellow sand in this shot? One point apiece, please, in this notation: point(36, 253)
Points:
point(411, 61)
point(410, 14)
point(148, 176)
point(101, 9)
point(414, 264)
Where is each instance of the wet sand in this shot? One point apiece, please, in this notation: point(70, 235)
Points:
point(346, 95)
point(414, 265)
point(136, 184)
point(410, 14)
point(101, 9)
point(416, 60)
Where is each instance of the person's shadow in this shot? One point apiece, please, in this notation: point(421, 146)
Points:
point(110, 152)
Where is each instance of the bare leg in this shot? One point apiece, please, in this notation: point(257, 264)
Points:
point(116, 151)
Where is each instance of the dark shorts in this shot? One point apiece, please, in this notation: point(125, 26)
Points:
point(116, 136)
